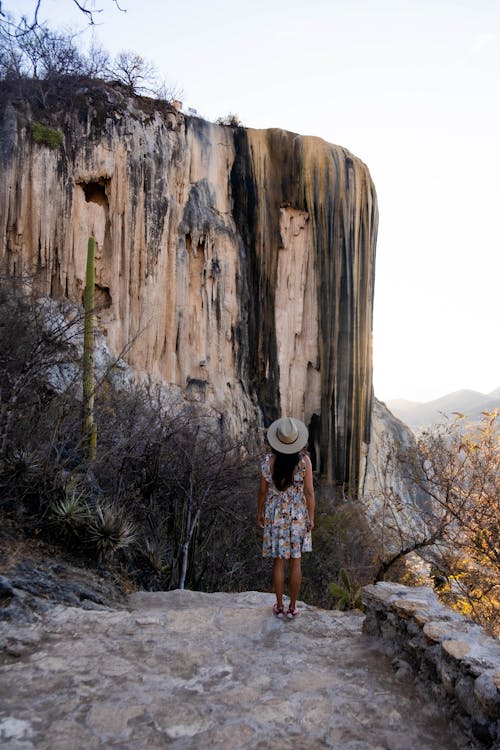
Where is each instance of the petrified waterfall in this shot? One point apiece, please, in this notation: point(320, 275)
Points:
point(240, 263)
point(307, 214)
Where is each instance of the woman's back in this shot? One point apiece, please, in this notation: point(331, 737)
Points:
point(284, 479)
point(283, 468)
point(285, 506)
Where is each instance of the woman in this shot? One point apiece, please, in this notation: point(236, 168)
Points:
point(286, 506)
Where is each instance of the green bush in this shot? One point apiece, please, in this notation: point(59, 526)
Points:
point(342, 541)
point(45, 135)
point(346, 595)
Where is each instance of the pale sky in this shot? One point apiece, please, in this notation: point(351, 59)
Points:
point(412, 87)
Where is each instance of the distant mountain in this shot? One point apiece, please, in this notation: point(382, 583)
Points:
point(470, 403)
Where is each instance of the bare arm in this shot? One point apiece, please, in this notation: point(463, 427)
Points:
point(261, 499)
point(309, 492)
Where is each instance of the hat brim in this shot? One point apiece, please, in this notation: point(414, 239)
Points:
point(296, 446)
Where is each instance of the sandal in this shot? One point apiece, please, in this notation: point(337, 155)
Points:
point(278, 611)
point(292, 613)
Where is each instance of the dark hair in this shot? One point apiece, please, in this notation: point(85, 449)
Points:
point(283, 468)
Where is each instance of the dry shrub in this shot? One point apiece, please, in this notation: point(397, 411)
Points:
point(168, 495)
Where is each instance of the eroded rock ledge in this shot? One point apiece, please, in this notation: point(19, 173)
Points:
point(454, 656)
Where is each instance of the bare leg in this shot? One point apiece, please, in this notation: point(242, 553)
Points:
point(279, 579)
point(295, 579)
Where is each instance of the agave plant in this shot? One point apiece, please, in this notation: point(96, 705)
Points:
point(22, 464)
point(107, 530)
point(153, 543)
point(70, 512)
point(20, 472)
point(346, 595)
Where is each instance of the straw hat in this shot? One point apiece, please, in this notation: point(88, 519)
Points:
point(287, 435)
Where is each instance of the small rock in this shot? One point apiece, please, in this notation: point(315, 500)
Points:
point(404, 670)
point(488, 695)
point(438, 631)
point(456, 649)
point(464, 691)
point(6, 589)
point(12, 728)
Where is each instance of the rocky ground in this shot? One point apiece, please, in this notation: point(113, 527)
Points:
point(185, 669)
point(34, 576)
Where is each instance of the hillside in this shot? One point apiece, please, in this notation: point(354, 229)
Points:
point(470, 403)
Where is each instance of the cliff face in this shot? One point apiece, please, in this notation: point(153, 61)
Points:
point(240, 263)
point(307, 210)
point(392, 502)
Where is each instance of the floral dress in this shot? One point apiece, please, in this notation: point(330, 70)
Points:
point(285, 515)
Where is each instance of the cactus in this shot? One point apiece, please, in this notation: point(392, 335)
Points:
point(89, 428)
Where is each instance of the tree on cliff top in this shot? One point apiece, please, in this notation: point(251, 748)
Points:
point(140, 76)
point(29, 50)
point(45, 55)
point(32, 21)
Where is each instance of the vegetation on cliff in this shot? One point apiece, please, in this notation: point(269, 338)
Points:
point(167, 500)
point(57, 61)
point(161, 487)
point(456, 528)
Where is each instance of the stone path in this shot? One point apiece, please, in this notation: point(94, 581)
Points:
point(189, 670)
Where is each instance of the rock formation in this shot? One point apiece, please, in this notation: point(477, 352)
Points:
point(185, 669)
point(308, 210)
point(240, 263)
point(451, 656)
point(384, 478)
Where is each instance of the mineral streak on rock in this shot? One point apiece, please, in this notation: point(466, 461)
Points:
point(311, 319)
point(239, 262)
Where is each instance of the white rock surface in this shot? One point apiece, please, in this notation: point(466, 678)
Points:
point(392, 502)
point(192, 670)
